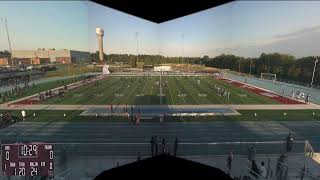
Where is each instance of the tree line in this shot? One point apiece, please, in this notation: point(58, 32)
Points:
point(4, 53)
point(147, 59)
point(286, 66)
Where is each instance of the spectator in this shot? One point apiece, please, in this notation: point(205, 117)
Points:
point(156, 145)
point(175, 149)
point(289, 142)
point(152, 146)
point(229, 161)
point(263, 170)
point(163, 145)
point(254, 169)
point(139, 156)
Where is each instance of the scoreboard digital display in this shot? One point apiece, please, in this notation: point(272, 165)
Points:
point(32, 159)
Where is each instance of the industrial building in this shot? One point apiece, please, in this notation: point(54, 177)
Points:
point(45, 56)
point(4, 59)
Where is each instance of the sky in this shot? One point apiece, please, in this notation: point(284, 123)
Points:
point(243, 28)
point(44, 24)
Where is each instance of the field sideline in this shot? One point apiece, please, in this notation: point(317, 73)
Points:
point(246, 115)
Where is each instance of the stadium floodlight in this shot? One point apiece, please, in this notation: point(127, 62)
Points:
point(182, 36)
point(137, 36)
point(314, 69)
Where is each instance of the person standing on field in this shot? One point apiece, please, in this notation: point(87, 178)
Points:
point(23, 113)
point(307, 98)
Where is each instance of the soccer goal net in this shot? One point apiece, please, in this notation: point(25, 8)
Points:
point(268, 76)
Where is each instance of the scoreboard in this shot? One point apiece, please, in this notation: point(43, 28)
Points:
point(31, 159)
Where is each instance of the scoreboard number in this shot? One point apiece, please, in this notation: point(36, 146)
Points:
point(34, 171)
point(51, 154)
point(22, 171)
point(7, 155)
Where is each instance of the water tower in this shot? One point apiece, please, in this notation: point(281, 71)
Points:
point(100, 33)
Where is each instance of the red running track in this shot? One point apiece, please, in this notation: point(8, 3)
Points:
point(27, 102)
point(262, 92)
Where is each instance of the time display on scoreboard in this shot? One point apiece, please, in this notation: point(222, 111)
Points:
point(32, 159)
point(27, 151)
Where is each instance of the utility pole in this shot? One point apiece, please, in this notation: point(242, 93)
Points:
point(5, 22)
point(160, 88)
point(182, 51)
point(314, 69)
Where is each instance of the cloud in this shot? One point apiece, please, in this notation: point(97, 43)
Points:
point(300, 32)
point(304, 42)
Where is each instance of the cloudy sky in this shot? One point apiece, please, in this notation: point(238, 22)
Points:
point(245, 28)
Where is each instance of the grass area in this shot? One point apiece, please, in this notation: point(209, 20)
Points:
point(71, 70)
point(145, 90)
point(246, 115)
point(41, 87)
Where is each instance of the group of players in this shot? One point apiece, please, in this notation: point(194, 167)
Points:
point(222, 92)
point(299, 95)
point(129, 113)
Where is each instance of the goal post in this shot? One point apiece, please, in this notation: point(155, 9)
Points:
point(268, 76)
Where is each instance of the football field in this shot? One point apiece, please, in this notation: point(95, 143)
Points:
point(146, 90)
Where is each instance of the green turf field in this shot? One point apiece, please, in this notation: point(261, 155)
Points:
point(246, 115)
point(146, 90)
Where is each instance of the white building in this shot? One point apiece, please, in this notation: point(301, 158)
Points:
point(162, 68)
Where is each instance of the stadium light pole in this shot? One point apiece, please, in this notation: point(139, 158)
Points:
point(182, 36)
point(314, 69)
point(160, 88)
point(6, 25)
point(137, 34)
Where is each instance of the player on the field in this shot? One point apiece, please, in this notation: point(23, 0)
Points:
point(307, 98)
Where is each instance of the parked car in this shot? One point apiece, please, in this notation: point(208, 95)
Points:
point(29, 68)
